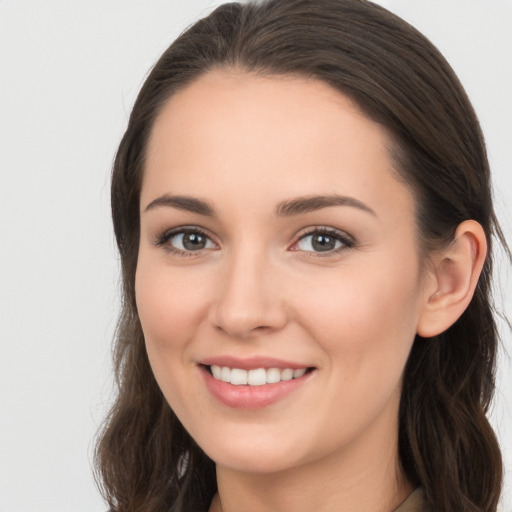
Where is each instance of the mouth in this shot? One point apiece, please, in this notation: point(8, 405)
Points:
point(256, 376)
point(255, 382)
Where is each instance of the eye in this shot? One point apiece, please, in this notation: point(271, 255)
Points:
point(185, 241)
point(325, 240)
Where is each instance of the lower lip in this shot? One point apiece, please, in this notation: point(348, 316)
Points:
point(251, 397)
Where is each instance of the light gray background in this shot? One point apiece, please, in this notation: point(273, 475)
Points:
point(69, 72)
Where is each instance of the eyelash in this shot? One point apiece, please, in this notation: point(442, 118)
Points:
point(163, 239)
point(347, 241)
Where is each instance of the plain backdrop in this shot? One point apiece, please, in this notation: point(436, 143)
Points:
point(69, 72)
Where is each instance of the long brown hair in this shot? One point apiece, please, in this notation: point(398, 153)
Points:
point(146, 460)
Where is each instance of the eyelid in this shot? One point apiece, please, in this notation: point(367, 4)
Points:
point(345, 238)
point(164, 237)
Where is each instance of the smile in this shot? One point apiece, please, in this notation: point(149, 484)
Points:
point(253, 383)
point(255, 377)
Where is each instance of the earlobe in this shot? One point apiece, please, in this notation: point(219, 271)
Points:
point(453, 279)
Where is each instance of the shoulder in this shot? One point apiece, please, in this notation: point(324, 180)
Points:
point(414, 503)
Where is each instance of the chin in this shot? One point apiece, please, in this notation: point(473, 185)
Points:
point(255, 462)
point(262, 454)
point(252, 453)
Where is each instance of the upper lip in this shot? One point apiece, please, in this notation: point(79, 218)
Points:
point(251, 363)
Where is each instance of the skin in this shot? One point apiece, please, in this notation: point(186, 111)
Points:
point(245, 143)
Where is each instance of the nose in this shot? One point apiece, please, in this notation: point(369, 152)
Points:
point(249, 301)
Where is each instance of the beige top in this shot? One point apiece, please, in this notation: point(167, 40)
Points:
point(414, 503)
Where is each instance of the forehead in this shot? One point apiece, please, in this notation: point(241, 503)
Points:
point(248, 137)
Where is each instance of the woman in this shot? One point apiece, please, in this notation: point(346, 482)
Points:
point(301, 201)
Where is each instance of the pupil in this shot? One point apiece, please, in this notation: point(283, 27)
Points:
point(193, 241)
point(323, 243)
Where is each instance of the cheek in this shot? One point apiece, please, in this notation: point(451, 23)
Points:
point(366, 321)
point(169, 307)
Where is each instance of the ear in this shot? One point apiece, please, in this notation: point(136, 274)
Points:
point(452, 279)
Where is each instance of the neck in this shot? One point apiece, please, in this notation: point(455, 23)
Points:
point(362, 479)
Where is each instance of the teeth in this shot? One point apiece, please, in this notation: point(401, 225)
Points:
point(287, 374)
point(225, 374)
point(217, 372)
point(238, 377)
point(256, 377)
point(273, 375)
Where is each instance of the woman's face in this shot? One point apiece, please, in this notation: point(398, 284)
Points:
point(276, 246)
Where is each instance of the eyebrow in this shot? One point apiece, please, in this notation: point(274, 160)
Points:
point(189, 204)
point(308, 204)
point(288, 208)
